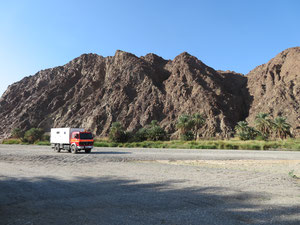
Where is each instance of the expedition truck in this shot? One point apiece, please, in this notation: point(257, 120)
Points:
point(71, 139)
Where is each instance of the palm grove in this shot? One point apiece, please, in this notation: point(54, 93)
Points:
point(265, 128)
point(188, 127)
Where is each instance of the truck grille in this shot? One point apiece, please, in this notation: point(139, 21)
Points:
point(87, 143)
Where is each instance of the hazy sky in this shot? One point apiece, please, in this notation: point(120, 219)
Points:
point(227, 34)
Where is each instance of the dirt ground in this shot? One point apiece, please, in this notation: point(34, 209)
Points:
point(148, 186)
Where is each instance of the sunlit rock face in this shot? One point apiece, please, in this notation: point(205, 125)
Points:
point(93, 91)
point(275, 88)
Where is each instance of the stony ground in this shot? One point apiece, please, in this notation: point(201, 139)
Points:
point(148, 186)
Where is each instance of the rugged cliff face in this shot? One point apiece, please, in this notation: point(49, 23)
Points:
point(93, 91)
point(275, 88)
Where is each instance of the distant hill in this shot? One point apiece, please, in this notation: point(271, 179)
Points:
point(93, 91)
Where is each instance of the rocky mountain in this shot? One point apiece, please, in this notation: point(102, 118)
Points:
point(274, 88)
point(93, 91)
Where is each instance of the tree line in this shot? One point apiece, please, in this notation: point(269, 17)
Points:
point(30, 136)
point(188, 127)
point(265, 128)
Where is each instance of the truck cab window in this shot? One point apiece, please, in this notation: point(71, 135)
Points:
point(76, 135)
point(86, 136)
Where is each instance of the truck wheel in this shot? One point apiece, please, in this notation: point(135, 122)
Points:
point(74, 149)
point(57, 149)
point(87, 150)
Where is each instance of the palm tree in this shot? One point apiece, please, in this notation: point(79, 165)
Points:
point(281, 127)
point(263, 123)
point(184, 123)
point(117, 132)
point(199, 121)
point(154, 123)
point(241, 126)
point(245, 132)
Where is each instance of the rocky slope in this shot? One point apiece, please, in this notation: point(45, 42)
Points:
point(275, 88)
point(93, 91)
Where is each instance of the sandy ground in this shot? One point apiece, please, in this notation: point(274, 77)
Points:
point(148, 186)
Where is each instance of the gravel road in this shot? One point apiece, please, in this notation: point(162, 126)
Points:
point(148, 186)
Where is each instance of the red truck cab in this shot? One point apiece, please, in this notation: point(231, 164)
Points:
point(81, 141)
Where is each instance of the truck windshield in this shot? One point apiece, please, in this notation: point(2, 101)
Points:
point(86, 136)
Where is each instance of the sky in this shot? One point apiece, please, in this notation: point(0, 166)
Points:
point(233, 35)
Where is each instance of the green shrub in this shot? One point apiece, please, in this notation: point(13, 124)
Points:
point(261, 137)
point(205, 147)
point(245, 132)
point(101, 144)
point(17, 133)
point(250, 147)
point(138, 144)
point(11, 141)
point(151, 132)
point(220, 145)
point(296, 147)
point(33, 135)
point(231, 146)
point(193, 143)
point(113, 144)
point(267, 146)
point(140, 135)
point(147, 144)
point(156, 133)
point(126, 145)
point(117, 133)
point(46, 137)
point(187, 136)
point(42, 143)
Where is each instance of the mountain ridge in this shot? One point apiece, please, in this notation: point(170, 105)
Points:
point(93, 91)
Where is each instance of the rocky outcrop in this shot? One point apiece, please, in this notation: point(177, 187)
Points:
point(93, 91)
point(275, 88)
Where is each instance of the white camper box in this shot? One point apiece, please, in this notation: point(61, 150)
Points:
point(62, 135)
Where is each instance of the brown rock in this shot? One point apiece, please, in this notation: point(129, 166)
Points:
point(93, 91)
point(275, 88)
